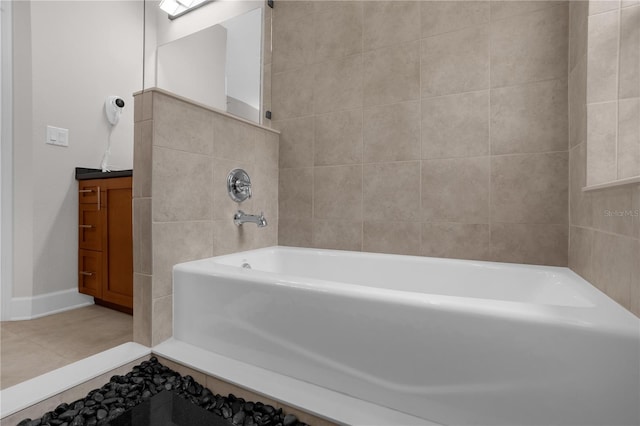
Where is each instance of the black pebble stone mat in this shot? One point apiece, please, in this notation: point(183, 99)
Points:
point(152, 394)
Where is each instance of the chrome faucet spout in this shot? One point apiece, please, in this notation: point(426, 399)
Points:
point(241, 217)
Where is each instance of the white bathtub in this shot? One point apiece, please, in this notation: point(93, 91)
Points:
point(450, 341)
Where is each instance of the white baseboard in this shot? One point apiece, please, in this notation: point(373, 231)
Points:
point(25, 308)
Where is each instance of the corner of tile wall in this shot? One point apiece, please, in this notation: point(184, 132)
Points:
point(604, 244)
point(142, 243)
point(142, 301)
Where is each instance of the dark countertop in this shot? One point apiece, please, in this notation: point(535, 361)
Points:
point(83, 173)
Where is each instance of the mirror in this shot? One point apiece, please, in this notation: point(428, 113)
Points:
point(219, 66)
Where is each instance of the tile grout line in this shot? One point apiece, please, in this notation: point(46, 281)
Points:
point(313, 162)
point(610, 233)
point(569, 128)
point(421, 142)
point(362, 217)
point(490, 244)
point(432, 159)
point(618, 54)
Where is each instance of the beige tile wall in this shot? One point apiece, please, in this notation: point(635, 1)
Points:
point(422, 127)
point(604, 245)
point(182, 155)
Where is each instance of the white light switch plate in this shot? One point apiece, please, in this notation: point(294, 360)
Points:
point(57, 136)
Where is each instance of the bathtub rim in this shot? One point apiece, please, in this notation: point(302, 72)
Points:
point(605, 315)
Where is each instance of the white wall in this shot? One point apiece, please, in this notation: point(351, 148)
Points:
point(68, 56)
point(6, 154)
point(194, 66)
point(22, 153)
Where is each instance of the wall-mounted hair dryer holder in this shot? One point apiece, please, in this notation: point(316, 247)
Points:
point(113, 108)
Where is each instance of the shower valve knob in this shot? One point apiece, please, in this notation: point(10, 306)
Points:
point(238, 185)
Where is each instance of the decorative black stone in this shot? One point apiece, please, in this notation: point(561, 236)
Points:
point(116, 402)
point(236, 406)
point(109, 401)
point(61, 408)
point(226, 412)
point(289, 420)
point(87, 412)
point(101, 414)
point(238, 418)
point(68, 415)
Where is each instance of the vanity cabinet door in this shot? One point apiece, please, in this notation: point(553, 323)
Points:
point(119, 287)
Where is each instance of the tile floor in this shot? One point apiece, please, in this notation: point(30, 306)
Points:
point(30, 348)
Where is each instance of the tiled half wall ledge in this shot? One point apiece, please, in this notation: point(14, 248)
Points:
point(613, 184)
point(183, 152)
point(198, 104)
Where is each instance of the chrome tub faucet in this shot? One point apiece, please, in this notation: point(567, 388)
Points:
point(241, 217)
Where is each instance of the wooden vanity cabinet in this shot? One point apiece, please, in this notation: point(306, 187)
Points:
point(105, 241)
